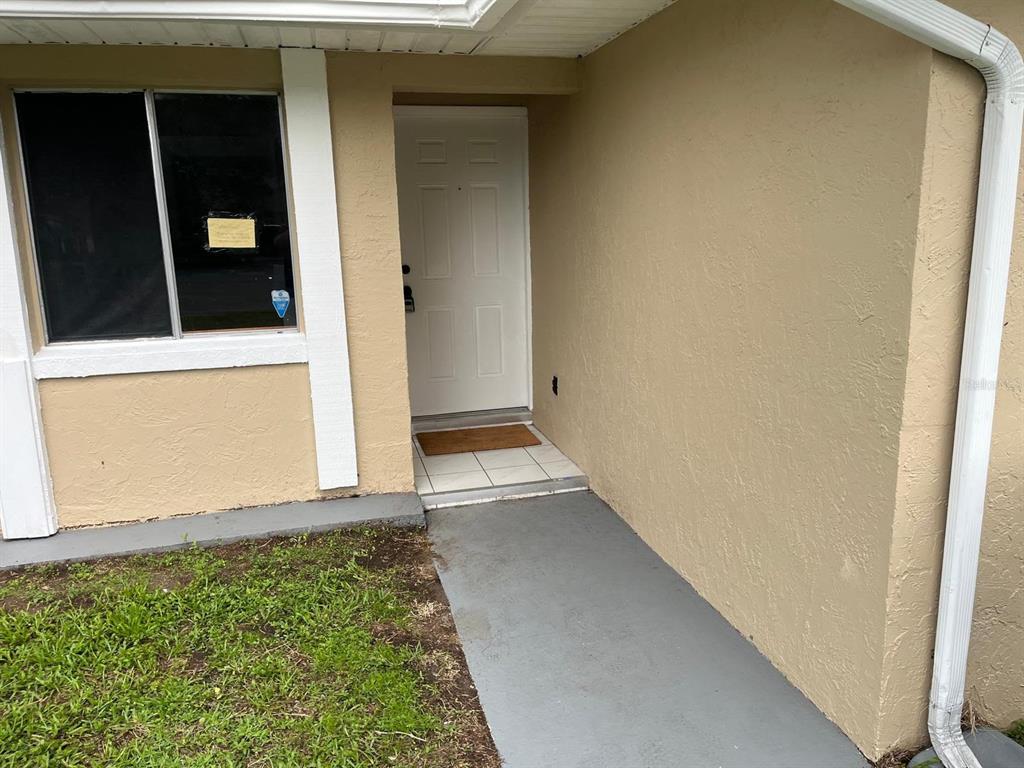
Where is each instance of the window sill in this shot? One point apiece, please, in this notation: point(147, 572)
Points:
point(105, 358)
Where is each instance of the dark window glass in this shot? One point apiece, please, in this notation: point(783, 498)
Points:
point(222, 159)
point(94, 215)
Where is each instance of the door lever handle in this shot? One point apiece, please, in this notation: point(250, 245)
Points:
point(410, 302)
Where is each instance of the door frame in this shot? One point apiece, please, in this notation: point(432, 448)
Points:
point(520, 114)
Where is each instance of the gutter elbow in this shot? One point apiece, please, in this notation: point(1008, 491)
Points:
point(948, 740)
point(1002, 65)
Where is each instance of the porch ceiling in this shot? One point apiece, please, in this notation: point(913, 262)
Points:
point(562, 28)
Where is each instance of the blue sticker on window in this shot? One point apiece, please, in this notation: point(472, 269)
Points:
point(281, 301)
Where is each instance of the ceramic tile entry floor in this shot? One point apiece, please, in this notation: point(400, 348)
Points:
point(484, 469)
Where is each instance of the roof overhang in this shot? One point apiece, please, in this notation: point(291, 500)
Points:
point(560, 28)
point(477, 15)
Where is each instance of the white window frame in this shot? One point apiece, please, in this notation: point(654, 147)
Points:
point(182, 350)
point(27, 508)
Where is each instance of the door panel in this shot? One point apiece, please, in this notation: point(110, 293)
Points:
point(483, 212)
point(435, 232)
point(461, 197)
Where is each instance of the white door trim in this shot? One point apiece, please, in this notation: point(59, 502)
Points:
point(449, 112)
point(27, 509)
point(529, 264)
point(512, 113)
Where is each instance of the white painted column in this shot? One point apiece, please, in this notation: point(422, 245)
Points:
point(27, 509)
point(315, 205)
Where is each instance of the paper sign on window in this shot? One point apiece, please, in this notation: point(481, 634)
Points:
point(231, 233)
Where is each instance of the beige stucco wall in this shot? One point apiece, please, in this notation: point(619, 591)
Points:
point(948, 189)
point(723, 241)
point(995, 686)
point(155, 445)
point(139, 446)
point(750, 237)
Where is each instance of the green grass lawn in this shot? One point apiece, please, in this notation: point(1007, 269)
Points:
point(334, 650)
point(1016, 731)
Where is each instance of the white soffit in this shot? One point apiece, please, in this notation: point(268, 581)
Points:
point(561, 28)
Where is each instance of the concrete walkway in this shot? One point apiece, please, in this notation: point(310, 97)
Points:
point(589, 652)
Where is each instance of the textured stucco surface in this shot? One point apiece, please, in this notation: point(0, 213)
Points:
point(415, 73)
point(945, 229)
point(723, 238)
point(134, 447)
point(749, 275)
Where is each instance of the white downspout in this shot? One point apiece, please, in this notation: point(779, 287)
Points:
point(996, 57)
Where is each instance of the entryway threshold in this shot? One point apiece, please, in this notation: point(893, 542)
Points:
point(468, 419)
point(504, 492)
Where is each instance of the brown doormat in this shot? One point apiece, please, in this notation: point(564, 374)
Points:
point(476, 439)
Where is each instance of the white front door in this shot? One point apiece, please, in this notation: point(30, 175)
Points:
point(462, 213)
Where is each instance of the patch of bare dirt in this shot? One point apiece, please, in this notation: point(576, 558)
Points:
point(896, 759)
point(168, 580)
point(432, 628)
point(12, 603)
